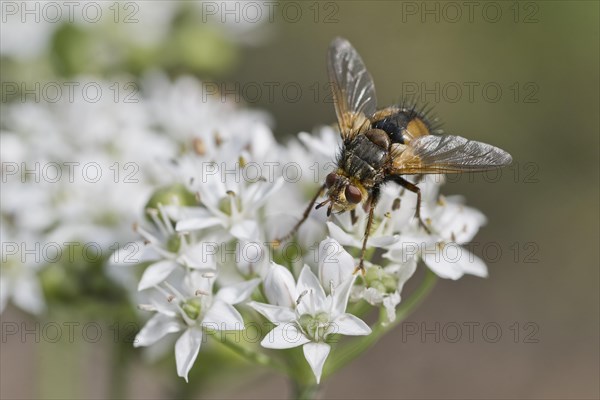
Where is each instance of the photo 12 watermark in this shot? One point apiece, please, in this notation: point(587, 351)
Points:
point(70, 92)
point(91, 12)
point(469, 332)
point(452, 12)
point(54, 172)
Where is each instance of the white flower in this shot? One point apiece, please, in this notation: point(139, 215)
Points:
point(452, 225)
point(311, 319)
point(232, 207)
point(195, 311)
point(380, 286)
point(169, 250)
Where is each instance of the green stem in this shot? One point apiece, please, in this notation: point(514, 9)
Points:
point(251, 355)
point(353, 349)
point(305, 392)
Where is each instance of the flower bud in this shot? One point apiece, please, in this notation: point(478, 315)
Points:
point(174, 194)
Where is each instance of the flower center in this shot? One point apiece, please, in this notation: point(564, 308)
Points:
point(174, 243)
point(192, 308)
point(316, 327)
point(231, 203)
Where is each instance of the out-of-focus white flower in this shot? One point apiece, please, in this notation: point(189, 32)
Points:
point(311, 319)
point(27, 28)
point(18, 278)
point(194, 310)
point(20, 40)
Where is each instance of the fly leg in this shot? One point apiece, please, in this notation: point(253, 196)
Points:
point(415, 189)
point(304, 216)
point(372, 203)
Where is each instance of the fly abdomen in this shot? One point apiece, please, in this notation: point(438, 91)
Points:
point(401, 125)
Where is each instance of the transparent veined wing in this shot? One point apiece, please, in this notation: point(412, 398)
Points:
point(433, 154)
point(352, 87)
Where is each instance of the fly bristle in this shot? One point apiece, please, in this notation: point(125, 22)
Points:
point(422, 110)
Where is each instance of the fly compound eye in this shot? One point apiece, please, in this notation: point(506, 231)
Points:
point(353, 194)
point(330, 180)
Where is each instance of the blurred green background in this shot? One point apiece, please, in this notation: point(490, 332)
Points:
point(543, 211)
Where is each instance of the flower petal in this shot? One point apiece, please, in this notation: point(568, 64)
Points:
point(251, 258)
point(280, 286)
point(155, 329)
point(316, 354)
point(335, 264)
point(194, 224)
point(340, 296)
point(372, 296)
point(199, 256)
point(442, 266)
point(405, 272)
point(156, 273)
point(186, 351)
point(348, 324)
point(455, 221)
point(473, 265)
point(342, 237)
point(389, 303)
point(383, 241)
point(275, 314)
point(309, 283)
point(236, 293)
point(284, 336)
point(245, 230)
point(223, 317)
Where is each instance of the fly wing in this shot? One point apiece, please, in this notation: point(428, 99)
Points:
point(352, 87)
point(433, 154)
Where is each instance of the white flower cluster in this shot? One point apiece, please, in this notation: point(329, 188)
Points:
point(218, 259)
point(81, 170)
point(213, 258)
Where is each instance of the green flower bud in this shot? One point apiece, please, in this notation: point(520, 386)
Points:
point(305, 320)
point(378, 285)
point(373, 273)
point(390, 283)
point(174, 194)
